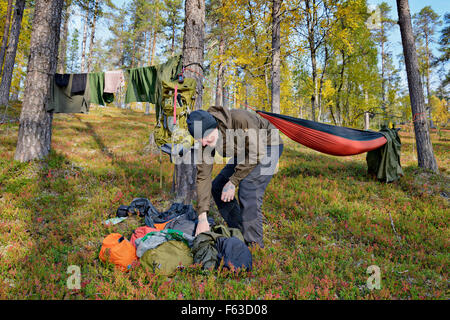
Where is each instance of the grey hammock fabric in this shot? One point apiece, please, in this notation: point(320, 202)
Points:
point(384, 162)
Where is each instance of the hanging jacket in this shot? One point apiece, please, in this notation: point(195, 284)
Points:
point(63, 101)
point(167, 72)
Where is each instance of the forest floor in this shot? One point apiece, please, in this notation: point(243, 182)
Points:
point(326, 220)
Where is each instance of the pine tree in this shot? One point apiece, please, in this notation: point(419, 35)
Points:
point(425, 23)
point(10, 57)
point(35, 129)
point(62, 58)
point(425, 154)
point(193, 55)
point(444, 49)
point(173, 21)
point(74, 48)
point(385, 26)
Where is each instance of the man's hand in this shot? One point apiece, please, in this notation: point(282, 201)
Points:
point(202, 225)
point(228, 192)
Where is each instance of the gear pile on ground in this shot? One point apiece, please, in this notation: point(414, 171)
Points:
point(167, 241)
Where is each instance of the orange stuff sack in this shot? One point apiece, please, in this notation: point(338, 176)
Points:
point(119, 251)
point(161, 226)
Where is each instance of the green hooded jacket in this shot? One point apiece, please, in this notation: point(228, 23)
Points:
point(240, 120)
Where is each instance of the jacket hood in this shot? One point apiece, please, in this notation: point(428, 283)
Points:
point(222, 115)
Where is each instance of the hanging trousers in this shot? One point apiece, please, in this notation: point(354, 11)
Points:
point(246, 214)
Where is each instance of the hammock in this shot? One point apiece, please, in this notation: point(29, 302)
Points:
point(325, 138)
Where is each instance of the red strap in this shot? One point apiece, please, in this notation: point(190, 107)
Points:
point(175, 105)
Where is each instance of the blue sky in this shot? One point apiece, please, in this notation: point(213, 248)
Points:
point(439, 6)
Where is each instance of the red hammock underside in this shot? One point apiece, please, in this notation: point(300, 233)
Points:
point(323, 141)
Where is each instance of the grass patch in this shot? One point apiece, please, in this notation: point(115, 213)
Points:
point(326, 221)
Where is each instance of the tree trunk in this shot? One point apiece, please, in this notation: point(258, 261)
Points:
point(276, 19)
point(267, 85)
point(314, 83)
point(152, 61)
point(10, 58)
point(91, 42)
point(428, 57)
point(425, 154)
point(34, 139)
point(5, 34)
point(220, 73)
point(246, 93)
point(383, 80)
point(150, 51)
point(310, 23)
point(225, 101)
point(322, 81)
point(83, 45)
point(63, 41)
point(366, 113)
point(193, 53)
point(173, 41)
point(193, 44)
point(366, 120)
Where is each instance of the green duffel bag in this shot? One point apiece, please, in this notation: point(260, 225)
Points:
point(167, 257)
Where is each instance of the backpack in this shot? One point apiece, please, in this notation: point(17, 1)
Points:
point(119, 251)
point(167, 257)
point(122, 211)
point(142, 206)
point(166, 132)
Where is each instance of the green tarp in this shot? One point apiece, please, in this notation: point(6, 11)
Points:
point(384, 162)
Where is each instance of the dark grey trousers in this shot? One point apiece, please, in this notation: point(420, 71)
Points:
point(247, 215)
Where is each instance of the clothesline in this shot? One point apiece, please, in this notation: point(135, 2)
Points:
point(73, 93)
